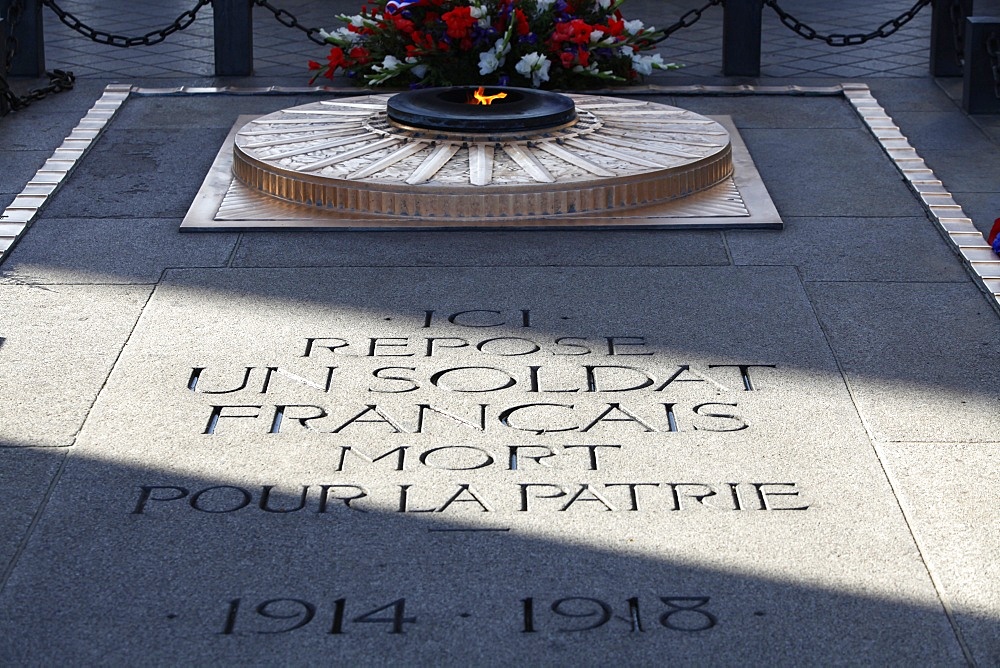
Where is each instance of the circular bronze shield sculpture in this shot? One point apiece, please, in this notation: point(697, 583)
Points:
point(356, 156)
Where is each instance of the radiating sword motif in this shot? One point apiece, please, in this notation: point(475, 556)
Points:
point(573, 158)
point(438, 158)
point(388, 161)
point(649, 147)
point(617, 153)
point(481, 164)
point(302, 138)
point(324, 127)
point(354, 153)
point(333, 143)
point(529, 163)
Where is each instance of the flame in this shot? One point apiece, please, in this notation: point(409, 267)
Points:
point(480, 97)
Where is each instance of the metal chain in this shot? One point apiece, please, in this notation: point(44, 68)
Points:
point(59, 80)
point(687, 20)
point(102, 37)
point(837, 39)
point(993, 49)
point(287, 19)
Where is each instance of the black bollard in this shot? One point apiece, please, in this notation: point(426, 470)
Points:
point(4, 102)
point(741, 24)
point(233, 37)
point(29, 56)
point(947, 36)
point(979, 84)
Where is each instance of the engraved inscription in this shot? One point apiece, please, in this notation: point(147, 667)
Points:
point(525, 497)
point(571, 614)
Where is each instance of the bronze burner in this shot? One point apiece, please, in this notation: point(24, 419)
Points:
point(450, 110)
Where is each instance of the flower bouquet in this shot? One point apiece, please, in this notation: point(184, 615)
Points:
point(565, 44)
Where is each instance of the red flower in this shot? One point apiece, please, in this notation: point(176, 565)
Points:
point(459, 21)
point(615, 28)
point(335, 59)
point(521, 26)
point(403, 25)
point(422, 43)
point(313, 65)
point(360, 55)
point(576, 31)
point(567, 59)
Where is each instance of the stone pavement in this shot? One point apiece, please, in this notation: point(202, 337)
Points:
point(484, 447)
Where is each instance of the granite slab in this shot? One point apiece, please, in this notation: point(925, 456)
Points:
point(917, 356)
point(853, 249)
point(950, 494)
point(109, 251)
point(25, 475)
point(59, 344)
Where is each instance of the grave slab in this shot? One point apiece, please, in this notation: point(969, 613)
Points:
point(59, 343)
point(951, 497)
point(475, 465)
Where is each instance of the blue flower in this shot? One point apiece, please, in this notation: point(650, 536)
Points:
point(996, 245)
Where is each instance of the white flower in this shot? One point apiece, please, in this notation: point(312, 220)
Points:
point(491, 60)
point(604, 4)
point(388, 64)
point(501, 47)
point(488, 62)
point(345, 35)
point(358, 21)
point(634, 27)
point(645, 64)
point(536, 66)
point(482, 14)
point(595, 36)
point(543, 6)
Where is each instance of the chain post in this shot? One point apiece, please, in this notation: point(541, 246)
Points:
point(4, 88)
point(741, 26)
point(25, 33)
point(978, 84)
point(233, 37)
point(947, 35)
point(993, 50)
